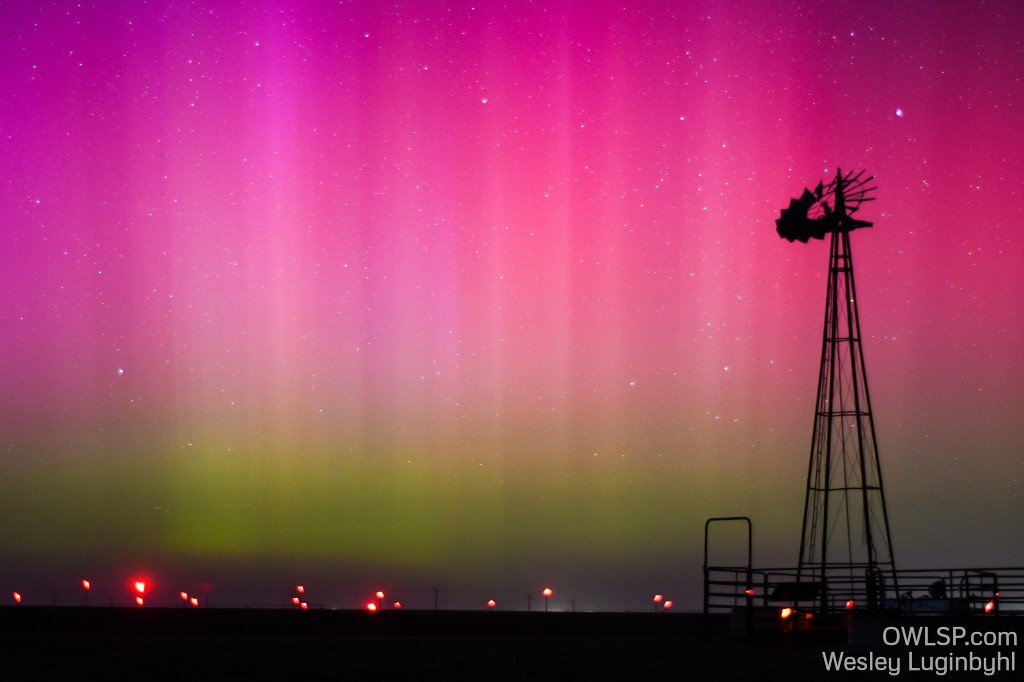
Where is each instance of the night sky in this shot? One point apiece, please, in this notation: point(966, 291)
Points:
point(487, 296)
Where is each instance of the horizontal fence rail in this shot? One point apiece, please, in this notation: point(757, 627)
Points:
point(954, 591)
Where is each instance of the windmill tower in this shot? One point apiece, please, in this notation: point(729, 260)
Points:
point(846, 548)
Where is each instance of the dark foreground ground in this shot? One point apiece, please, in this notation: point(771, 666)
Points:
point(237, 644)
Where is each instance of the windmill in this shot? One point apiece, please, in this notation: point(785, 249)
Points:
point(845, 547)
point(811, 215)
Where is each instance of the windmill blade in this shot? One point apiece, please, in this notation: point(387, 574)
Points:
point(860, 189)
point(859, 194)
point(857, 183)
point(861, 201)
point(851, 176)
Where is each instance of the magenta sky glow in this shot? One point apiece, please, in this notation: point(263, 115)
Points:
point(486, 296)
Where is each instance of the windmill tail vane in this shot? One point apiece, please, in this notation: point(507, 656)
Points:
point(828, 208)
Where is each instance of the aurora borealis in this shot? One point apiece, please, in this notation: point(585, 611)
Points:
point(481, 296)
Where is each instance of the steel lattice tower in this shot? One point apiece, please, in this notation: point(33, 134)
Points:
point(846, 547)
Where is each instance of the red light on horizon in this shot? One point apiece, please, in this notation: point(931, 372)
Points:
point(300, 589)
point(184, 596)
point(658, 598)
point(491, 603)
point(397, 605)
point(86, 585)
point(295, 600)
point(547, 592)
point(194, 601)
point(380, 594)
point(668, 604)
point(140, 586)
point(140, 601)
point(371, 607)
point(17, 597)
point(303, 606)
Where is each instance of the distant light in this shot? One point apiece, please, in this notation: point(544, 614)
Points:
point(397, 605)
point(300, 589)
point(547, 592)
point(849, 604)
point(183, 595)
point(194, 601)
point(380, 594)
point(668, 604)
point(899, 112)
point(295, 600)
point(750, 592)
point(786, 613)
point(303, 606)
point(371, 606)
point(86, 585)
point(17, 597)
point(139, 601)
point(658, 598)
point(140, 586)
point(491, 603)
point(990, 607)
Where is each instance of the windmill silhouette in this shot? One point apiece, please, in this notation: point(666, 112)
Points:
point(846, 547)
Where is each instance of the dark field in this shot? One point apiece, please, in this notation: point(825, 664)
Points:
point(240, 644)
